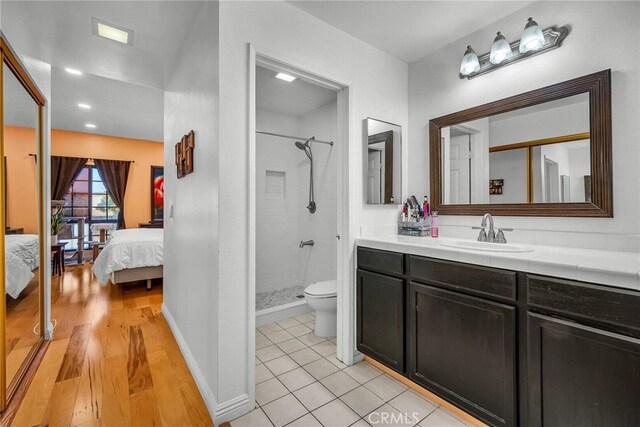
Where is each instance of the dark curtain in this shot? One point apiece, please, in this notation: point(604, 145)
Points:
point(114, 174)
point(63, 171)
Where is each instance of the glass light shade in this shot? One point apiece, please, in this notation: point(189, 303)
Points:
point(470, 63)
point(500, 50)
point(532, 37)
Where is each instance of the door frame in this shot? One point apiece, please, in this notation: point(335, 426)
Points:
point(345, 339)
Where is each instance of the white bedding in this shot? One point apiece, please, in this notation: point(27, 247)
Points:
point(21, 258)
point(130, 248)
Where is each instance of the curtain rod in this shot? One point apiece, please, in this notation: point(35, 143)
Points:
point(88, 159)
point(312, 139)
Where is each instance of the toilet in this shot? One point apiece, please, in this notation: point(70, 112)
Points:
point(323, 298)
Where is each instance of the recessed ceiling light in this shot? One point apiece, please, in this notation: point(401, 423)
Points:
point(85, 106)
point(90, 125)
point(112, 32)
point(286, 77)
point(73, 71)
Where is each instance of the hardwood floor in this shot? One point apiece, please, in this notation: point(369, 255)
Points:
point(113, 361)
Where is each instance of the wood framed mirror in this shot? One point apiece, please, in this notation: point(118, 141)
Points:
point(546, 152)
point(23, 239)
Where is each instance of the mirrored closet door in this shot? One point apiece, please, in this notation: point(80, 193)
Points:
point(22, 241)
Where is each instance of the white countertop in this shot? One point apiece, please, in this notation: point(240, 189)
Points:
point(619, 269)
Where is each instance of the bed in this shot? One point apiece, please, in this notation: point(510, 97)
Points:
point(22, 257)
point(131, 255)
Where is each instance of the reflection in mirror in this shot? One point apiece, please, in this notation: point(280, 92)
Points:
point(21, 227)
point(538, 154)
point(383, 157)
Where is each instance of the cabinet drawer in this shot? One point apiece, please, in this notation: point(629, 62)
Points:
point(454, 275)
point(381, 261)
point(615, 309)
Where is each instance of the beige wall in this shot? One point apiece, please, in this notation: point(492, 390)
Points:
point(21, 170)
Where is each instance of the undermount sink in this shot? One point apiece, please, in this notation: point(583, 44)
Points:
point(474, 245)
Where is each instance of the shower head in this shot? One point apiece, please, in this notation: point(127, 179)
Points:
point(304, 146)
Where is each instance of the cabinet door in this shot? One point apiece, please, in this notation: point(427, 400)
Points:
point(463, 349)
point(380, 318)
point(581, 376)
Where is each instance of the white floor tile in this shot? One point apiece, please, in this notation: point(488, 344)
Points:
point(296, 379)
point(269, 390)
point(362, 401)
point(306, 421)
point(314, 395)
point(310, 339)
point(389, 416)
point(385, 387)
point(304, 318)
point(335, 414)
point(291, 346)
point(255, 418)
point(304, 356)
point(270, 328)
point(299, 330)
point(287, 323)
point(339, 383)
point(281, 365)
point(324, 348)
point(362, 372)
point(269, 353)
point(279, 336)
point(262, 342)
point(284, 410)
point(320, 368)
point(333, 359)
point(411, 402)
point(361, 423)
point(262, 373)
point(441, 418)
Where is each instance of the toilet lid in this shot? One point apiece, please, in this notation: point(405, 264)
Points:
point(322, 289)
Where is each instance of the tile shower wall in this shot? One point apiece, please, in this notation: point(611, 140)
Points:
point(282, 191)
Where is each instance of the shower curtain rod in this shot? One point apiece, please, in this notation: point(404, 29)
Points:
point(299, 138)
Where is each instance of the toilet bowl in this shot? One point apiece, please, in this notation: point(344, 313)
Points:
point(323, 298)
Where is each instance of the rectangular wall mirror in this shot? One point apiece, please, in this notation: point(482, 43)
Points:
point(542, 153)
point(383, 162)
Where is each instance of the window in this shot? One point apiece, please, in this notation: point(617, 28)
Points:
point(87, 197)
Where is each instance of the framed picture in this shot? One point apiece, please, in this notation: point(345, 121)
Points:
point(157, 193)
point(495, 186)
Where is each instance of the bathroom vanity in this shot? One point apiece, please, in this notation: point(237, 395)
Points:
point(550, 337)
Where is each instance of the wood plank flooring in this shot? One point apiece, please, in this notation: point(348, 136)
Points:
point(113, 361)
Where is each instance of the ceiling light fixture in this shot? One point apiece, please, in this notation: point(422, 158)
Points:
point(286, 77)
point(112, 32)
point(73, 71)
point(533, 42)
point(85, 106)
point(90, 125)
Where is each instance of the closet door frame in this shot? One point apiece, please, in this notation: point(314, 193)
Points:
point(13, 62)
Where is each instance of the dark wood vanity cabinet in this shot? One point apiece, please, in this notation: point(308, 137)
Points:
point(463, 348)
point(511, 349)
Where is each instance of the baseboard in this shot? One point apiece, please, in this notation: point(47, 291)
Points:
point(219, 412)
point(281, 312)
point(205, 390)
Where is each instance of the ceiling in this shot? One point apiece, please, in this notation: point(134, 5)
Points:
point(294, 99)
point(409, 30)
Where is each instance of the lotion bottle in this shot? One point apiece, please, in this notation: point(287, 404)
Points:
point(434, 224)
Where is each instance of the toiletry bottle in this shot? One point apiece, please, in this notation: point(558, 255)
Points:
point(425, 206)
point(434, 224)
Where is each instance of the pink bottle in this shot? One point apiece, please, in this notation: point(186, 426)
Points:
point(434, 224)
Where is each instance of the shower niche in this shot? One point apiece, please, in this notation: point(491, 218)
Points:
point(296, 186)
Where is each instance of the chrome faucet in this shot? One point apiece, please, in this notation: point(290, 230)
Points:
point(491, 236)
point(307, 243)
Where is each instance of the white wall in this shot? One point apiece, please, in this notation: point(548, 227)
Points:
point(435, 89)
point(191, 236)
point(378, 88)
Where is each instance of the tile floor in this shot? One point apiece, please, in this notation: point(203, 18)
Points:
point(299, 382)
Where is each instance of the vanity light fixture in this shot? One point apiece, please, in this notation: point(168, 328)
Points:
point(73, 71)
point(112, 32)
point(500, 50)
point(533, 42)
point(90, 125)
point(470, 63)
point(84, 106)
point(286, 77)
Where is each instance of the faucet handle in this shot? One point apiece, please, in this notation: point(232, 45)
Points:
point(500, 236)
point(482, 236)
